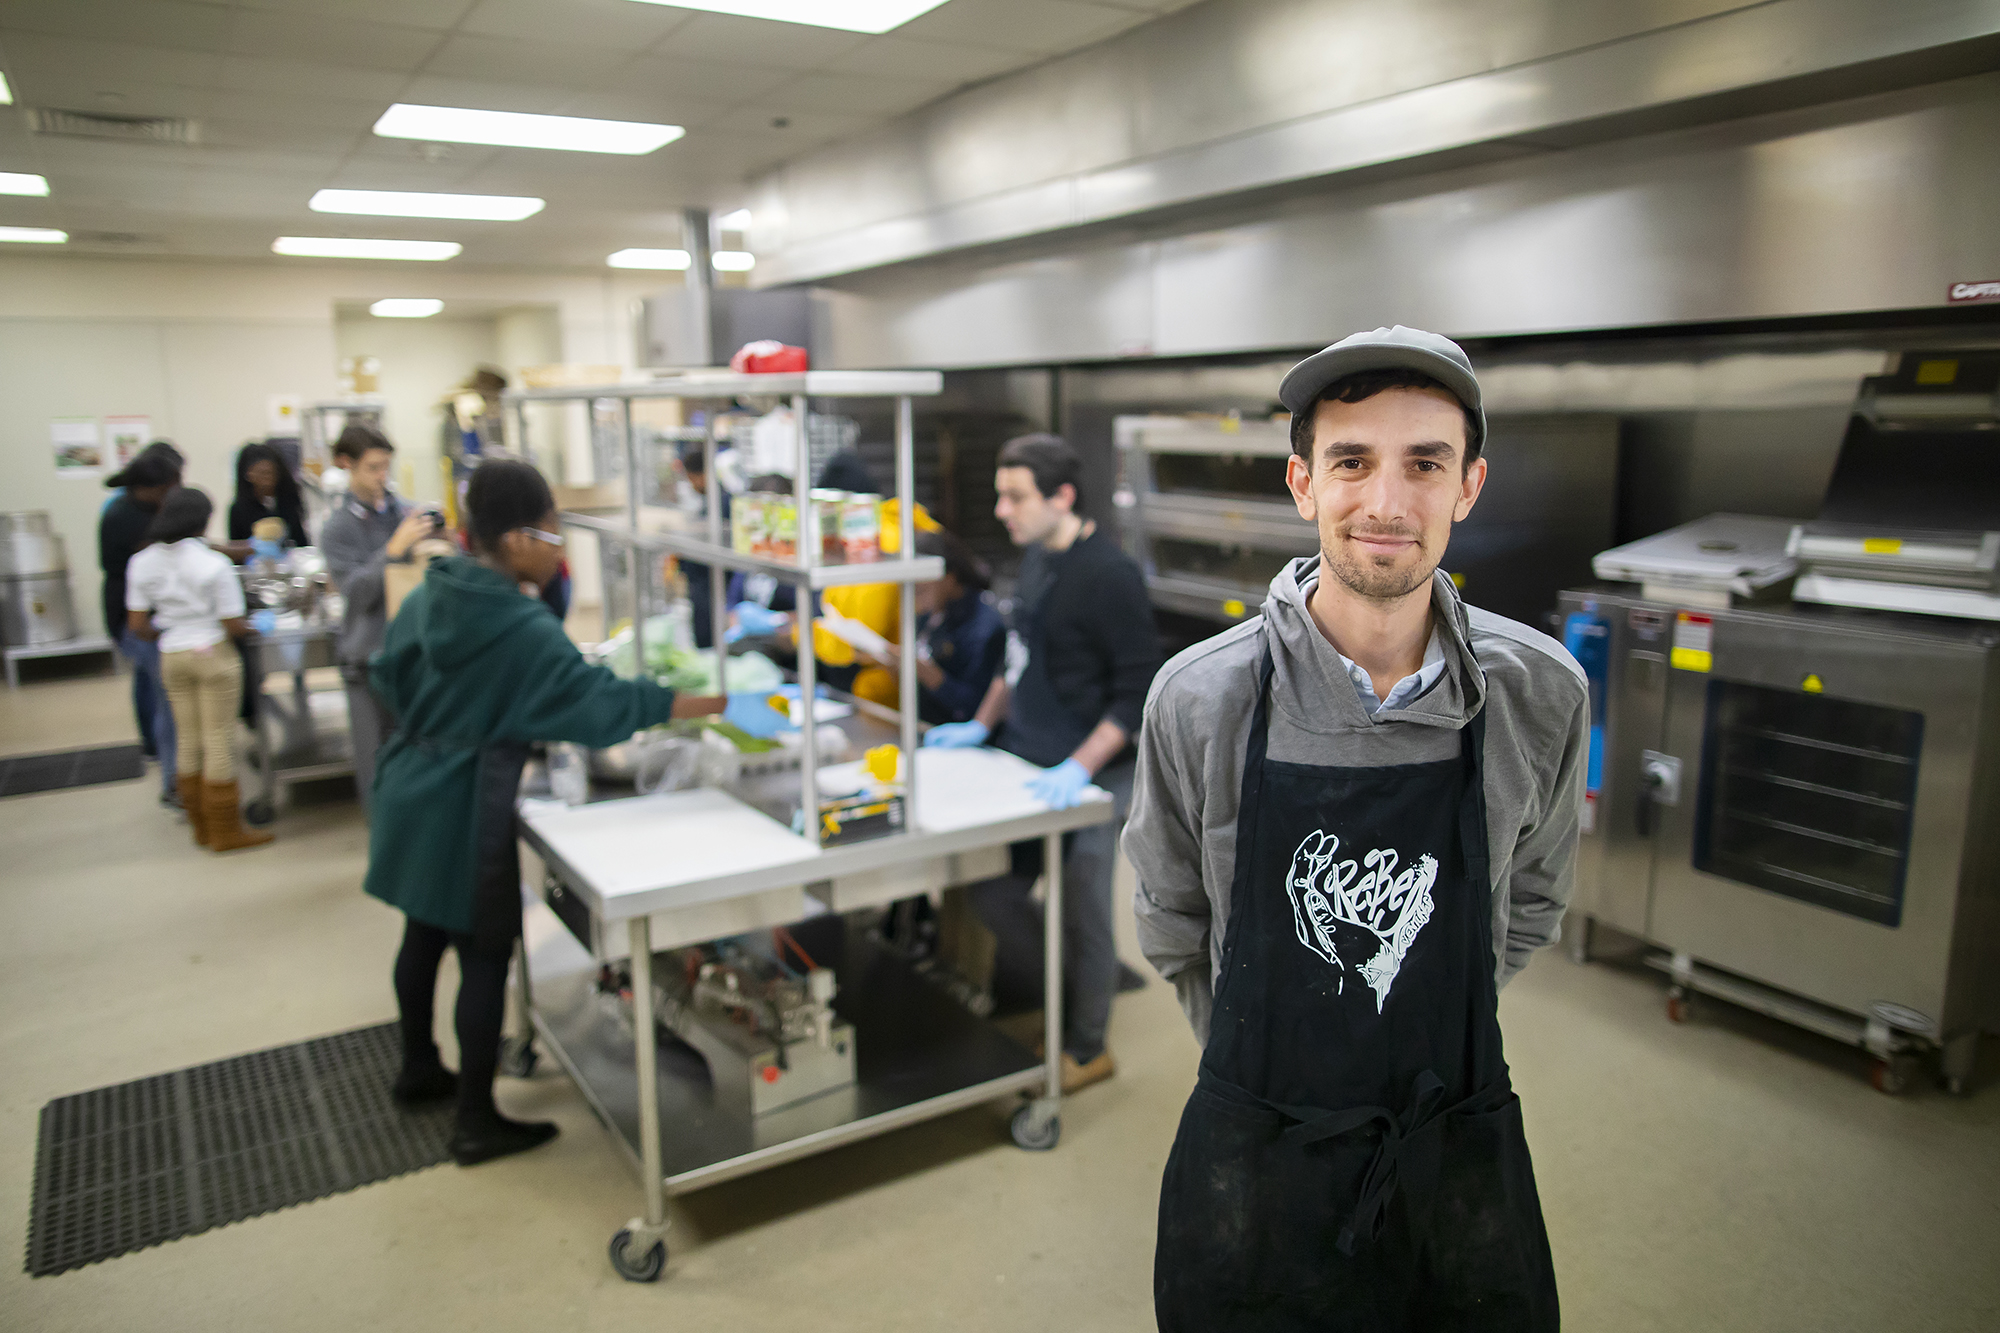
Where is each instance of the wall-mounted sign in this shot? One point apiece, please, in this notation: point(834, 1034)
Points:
point(1974, 291)
point(124, 437)
point(78, 449)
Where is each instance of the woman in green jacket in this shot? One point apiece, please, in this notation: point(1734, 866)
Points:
point(474, 671)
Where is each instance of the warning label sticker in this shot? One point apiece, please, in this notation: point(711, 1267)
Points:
point(1694, 642)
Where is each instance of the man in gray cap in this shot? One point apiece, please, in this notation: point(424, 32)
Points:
point(1354, 820)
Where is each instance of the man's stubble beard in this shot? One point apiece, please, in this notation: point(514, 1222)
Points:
point(1365, 578)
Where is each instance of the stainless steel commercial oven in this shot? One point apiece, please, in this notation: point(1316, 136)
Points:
point(1204, 510)
point(1793, 808)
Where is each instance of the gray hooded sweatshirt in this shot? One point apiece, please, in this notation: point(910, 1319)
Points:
point(1182, 833)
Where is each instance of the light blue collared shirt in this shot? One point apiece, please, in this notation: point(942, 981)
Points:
point(1404, 690)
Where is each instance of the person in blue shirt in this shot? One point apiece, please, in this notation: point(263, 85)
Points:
point(963, 639)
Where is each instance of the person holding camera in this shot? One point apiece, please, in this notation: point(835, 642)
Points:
point(365, 532)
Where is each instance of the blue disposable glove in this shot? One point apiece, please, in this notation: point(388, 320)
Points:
point(754, 619)
point(265, 622)
point(752, 712)
point(1060, 787)
point(956, 735)
point(271, 551)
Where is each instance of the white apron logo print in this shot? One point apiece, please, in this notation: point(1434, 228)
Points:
point(1361, 914)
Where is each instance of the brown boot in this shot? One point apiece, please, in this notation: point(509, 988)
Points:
point(219, 802)
point(189, 787)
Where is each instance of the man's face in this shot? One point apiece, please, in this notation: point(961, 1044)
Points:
point(371, 474)
point(1386, 482)
point(1030, 516)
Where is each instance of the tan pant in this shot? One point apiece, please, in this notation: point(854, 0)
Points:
point(206, 689)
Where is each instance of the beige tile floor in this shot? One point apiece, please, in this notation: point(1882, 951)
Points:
point(1724, 1175)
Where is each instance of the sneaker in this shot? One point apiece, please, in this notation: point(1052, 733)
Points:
point(1079, 1076)
point(501, 1138)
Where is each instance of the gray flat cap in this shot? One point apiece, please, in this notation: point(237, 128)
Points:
point(1396, 348)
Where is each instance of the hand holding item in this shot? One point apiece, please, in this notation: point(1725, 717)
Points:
point(1060, 787)
point(753, 714)
point(757, 620)
point(416, 526)
point(957, 735)
point(266, 550)
point(265, 622)
point(699, 705)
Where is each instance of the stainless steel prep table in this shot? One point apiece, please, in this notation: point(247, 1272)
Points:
point(292, 744)
point(627, 877)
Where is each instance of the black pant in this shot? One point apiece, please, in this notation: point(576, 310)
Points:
point(482, 996)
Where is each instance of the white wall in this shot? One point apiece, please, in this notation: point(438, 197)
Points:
point(423, 361)
point(199, 347)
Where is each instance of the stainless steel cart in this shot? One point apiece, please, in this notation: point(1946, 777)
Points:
point(628, 877)
point(292, 742)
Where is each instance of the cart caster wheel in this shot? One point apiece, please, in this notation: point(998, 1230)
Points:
point(518, 1057)
point(1679, 1008)
point(259, 813)
point(1892, 1076)
point(645, 1267)
point(1028, 1137)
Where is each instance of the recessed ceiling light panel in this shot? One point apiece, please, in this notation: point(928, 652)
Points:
point(412, 204)
point(354, 247)
point(846, 15)
point(406, 307)
point(673, 259)
point(23, 182)
point(518, 129)
point(33, 235)
point(734, 261)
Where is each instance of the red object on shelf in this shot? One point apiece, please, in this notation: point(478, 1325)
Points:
point(769, 358)
point(770, 1073)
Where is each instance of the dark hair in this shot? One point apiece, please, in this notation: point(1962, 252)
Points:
point(184, 513)
point(1051, 460)
point(357, 439)
point(1365, 384)
point(158, 464)
point(288, 485)
point(847, 471)
point(959, 561)
point(504, 494)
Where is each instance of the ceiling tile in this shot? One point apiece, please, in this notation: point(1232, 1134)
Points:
point(127, 98)
point(262, 133)
point(275, 110)
point(331, 40)
point(660, 108)
point(169, 23)
point(43, 68)
point(309, 79)
point(698, 78)
point(737, 41)
point(618, 24)
point(851, 93)
point(1041, 26)
point(484, 94)
point(433, 14)
point(511, 59)
point(901, 58)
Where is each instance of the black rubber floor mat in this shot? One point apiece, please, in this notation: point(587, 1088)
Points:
point(71, 768)
point(123, 1168)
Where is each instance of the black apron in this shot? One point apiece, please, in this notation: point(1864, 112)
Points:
point(1352, 1156)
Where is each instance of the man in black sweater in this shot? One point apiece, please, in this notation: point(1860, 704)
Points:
point(1080, 659)
point(121, 530)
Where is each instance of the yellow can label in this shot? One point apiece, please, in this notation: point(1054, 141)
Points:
point(1881, 545)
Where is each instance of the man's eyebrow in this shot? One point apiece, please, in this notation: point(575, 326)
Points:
point(1362, 449)
point(1433, 449)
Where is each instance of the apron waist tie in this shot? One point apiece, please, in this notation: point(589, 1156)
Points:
point(1398, 1133)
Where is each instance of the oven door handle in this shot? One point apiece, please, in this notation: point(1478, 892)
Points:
point(1659, 784)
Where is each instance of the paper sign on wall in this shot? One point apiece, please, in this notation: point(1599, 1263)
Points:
point(281, 414)
point(79, 451)
point(124, 437)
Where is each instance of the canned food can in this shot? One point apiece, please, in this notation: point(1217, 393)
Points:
point(746, 523)
point(781, 528)
point(861, 527)
point(827, 509)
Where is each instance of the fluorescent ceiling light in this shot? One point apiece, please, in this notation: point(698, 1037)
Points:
point(33, 235)
point(6, 93)
point(406, 307)
point(847, 15)
point(352, 247)
point(517, 129)
point(411, 204)
point(737, 221)
point(23, 182)
point(674, 259)
point(734, 261)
